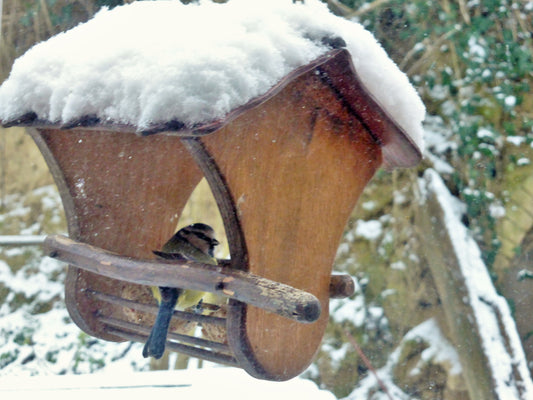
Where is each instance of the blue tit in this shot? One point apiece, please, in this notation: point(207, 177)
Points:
point(195, 242)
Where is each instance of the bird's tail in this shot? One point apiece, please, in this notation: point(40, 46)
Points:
point(155, 345)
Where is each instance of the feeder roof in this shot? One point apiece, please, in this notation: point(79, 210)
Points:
point(149, 63)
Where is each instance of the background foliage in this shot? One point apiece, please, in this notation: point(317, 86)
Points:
point(471, 62)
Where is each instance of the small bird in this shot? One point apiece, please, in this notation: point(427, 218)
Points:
point(195, 242)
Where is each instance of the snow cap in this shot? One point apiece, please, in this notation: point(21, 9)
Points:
point(152, 62)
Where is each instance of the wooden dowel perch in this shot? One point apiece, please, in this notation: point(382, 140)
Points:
point(251, 289)
point(341, 286)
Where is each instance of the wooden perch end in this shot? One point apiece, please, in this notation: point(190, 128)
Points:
point(341, 286)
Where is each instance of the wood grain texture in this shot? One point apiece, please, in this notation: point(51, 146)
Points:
point(295, 166)
point(121, 192)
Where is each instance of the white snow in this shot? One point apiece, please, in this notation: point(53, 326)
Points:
point(438, 351)
point(510, 101)
point(22, 282)
point(476, 49)
point(485, 133)
point(368, 205)
point(438, 135)
point(439, 164)
point(516, 140)
point(484, 300)
point(497, 210)
point(151, 62)
point(216, 383)
point(398, 265)
point(523, 161)
point(369, 230)
point(336, 355)
point(523, 274)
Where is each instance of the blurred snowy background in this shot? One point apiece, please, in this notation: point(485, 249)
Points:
point(471, 63)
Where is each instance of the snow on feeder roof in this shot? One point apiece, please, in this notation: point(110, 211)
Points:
point(148, 63)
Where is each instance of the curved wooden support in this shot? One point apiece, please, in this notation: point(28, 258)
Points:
point(295, 166)
point(271, 296)
point(123, 193)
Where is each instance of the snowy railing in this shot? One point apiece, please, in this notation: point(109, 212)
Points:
point(21, 240)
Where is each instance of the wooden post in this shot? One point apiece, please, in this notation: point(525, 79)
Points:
point(463, 304)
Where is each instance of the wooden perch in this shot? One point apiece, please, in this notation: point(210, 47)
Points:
point(251, 289)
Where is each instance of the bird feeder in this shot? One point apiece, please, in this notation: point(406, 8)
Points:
point(286, 170)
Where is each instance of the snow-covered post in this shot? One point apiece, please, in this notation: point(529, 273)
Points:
point(479, 320)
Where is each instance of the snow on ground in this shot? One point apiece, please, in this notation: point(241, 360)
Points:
point(37, 336)
point(370, 230)
point(216, 383)
point(438, 351)
point(351, 309)
point(130, 64)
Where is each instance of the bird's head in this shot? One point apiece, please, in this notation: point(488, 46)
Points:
point(201, 236)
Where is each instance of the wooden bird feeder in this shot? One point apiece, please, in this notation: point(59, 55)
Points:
point(286, 170)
